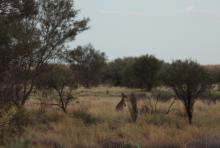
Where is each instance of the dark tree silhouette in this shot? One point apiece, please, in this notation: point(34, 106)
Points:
point(188, 80)
point(33, 40)
point(61, 79)
point(87, 63)
point(145, 72)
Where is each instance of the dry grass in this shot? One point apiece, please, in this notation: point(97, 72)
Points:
point(93, 122)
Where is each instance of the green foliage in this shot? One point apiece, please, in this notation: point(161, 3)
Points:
point(188, 80)
point(116, 72)
point(140, 72)
point(37, 34)
point(19, 9)
point(87, 64)
point(60, 79)
point(186, 75)
point(20, 119)
point(214, 72)
point(18, 39)
point(146, 70)
point(13, 123)
point(56, 76)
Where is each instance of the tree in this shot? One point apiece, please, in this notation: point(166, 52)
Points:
point(59, 78)
point(188, 80)
point(139, 72)
point(33, 40)
point(17, 9)
point(87, 63)
point(115, 71)
point(12, 13)
point(145, 71)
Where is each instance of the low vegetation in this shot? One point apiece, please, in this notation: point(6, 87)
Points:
point(92, 121)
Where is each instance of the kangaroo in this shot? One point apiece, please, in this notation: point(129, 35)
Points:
point(120, 106)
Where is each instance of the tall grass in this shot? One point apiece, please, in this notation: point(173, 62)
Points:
point(93, 122)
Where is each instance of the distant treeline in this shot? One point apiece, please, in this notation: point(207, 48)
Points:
point(144, 72)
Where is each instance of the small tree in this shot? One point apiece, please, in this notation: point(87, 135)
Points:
point(188, 79)
point(60, 79)
point(145, 71)
point(87, 63)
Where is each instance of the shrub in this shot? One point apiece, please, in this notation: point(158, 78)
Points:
point(60, 79)
point(87, 64)
point(13, 123)
point(188, 80)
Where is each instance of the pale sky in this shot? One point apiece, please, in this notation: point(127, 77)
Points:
point(168, 29)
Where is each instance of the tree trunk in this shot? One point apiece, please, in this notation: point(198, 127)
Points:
point(189, 109)
point(64, 109)
point(63, 106)
point(189, 114)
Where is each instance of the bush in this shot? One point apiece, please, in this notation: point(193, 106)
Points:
point(13, 123)
point(188, 80)
point(60, 79)
point(143, 73)
point(87, 64)
point(21, 119)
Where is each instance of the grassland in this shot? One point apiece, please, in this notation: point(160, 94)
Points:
point(93, 122)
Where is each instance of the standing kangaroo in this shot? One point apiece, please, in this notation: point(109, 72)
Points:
point(121, 104)
point(132, 105)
